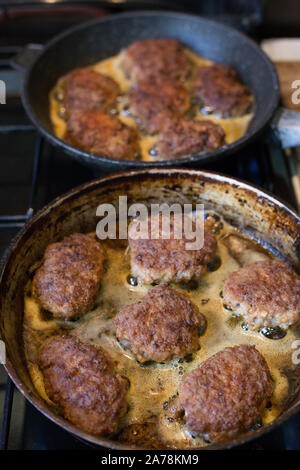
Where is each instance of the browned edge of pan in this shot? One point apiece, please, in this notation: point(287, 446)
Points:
point(261, 215)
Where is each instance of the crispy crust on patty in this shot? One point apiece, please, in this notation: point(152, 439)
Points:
point(265, 294)
point(102, 134)
point(155, 100)
point(184, 137)
point(87, 89)
point(156, 57)
point(67, 282)
point(227, 393)
point(219, 87)
point(80, 379)
point(168, 260)
point(161, 326)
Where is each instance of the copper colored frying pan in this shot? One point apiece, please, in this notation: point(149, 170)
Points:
point(266, 219)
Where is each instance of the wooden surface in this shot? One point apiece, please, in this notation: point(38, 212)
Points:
point(288, 72)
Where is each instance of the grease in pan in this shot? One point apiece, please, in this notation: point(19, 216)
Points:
point(150, 102)
point(154, 386)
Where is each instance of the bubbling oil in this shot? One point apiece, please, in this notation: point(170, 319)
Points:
point(154, 385)
point(234, 127)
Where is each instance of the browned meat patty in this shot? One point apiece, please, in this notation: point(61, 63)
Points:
point(67, 282)
point(265, 294)
point(168, 259)
point(155, 100)
point(161, 326)
point(220, 88)
point(186, 137)
point(227, 394)
point(86, 89)
point(102, 134)
point(156, 57)
point(81, 380)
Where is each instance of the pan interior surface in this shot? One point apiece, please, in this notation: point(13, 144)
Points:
point(100, 39)
point(234, 127)
point(242, 206)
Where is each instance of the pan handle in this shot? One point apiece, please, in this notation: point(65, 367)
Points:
point(25, 57)
point(286, 125)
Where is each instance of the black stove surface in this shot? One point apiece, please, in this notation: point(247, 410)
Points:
point(32, 173)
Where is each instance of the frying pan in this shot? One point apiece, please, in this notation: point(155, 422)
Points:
point(246, 207)
point(99, 39)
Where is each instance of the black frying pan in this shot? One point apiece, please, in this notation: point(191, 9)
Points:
point(99, 39)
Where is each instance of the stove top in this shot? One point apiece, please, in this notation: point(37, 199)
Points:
point(33, 173)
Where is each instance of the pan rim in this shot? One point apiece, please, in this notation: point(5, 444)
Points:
point(37, 401)
point(100, 160)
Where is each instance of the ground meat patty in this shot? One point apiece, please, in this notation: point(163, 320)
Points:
point(80, 379)
point(168, 259)
point(161, 326)
point(102, 134)
point(185, 137)
point(155, 100)
point(227, 394)
point(265, 294)
point(86, 89)
point(220, 88)
point(156, 57)
point(67, 282)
